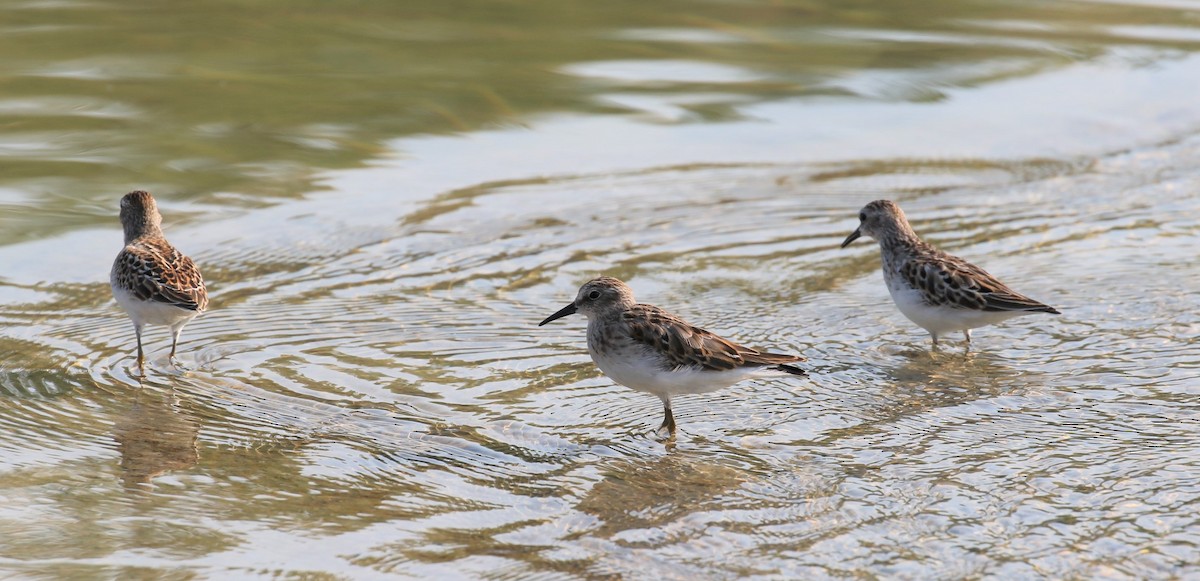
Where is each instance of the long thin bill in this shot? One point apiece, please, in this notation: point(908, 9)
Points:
point(567, 310)
point(852, 237)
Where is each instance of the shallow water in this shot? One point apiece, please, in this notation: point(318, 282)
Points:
point(386, 199)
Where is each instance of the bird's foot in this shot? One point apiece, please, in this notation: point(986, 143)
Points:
point(177, 366)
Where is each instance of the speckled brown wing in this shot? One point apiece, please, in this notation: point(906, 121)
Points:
point(684, 345)
point(153, 270)
point(951, 281)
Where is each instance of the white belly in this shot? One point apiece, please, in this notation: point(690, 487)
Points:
point(942, 319)
point(150, 312)
point(637, 369)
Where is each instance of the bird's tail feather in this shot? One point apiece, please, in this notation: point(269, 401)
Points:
point(790, 369)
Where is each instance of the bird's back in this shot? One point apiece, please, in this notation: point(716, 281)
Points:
point(151, 270)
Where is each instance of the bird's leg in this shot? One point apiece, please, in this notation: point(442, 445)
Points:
point(175, 331)
point(967, 334)
point(935, 339)
point(141, 360)
point(668, 417)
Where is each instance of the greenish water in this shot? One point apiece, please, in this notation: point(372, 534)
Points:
point(386, 197)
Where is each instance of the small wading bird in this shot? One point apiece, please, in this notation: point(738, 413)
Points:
point(940, 292)
point(151, 280)
point(648, 349)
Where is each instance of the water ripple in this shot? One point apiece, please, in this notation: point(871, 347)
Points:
point(389, 390)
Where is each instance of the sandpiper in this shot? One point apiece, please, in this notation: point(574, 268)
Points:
point(940, 292)
point(648, 349)
point(155, 283)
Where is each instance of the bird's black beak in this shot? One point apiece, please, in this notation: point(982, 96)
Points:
point(567, 310)
point(852, 237)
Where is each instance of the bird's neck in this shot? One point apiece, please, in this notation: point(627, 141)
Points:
point(898, 246)
point(142, 229)
point(601, 326)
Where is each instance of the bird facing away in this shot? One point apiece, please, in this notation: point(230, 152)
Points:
point(648, 349)
point(155, 283)
point(940, 292)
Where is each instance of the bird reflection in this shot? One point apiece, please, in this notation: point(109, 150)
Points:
point(651, 493)
point(958, 377)
point(155, 437)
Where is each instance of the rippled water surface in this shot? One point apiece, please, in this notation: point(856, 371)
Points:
point(386, 197)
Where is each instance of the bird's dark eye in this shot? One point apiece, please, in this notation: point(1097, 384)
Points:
point(862, 216)
point(594, 295)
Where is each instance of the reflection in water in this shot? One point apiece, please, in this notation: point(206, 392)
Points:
point(638, 499)
point(155, 437)
point(174, 104)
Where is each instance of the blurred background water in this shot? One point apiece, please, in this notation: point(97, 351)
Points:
point(386, 197)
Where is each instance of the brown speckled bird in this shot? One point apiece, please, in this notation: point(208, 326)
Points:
point(938, 291)
point(155, 283)
point(648, 349)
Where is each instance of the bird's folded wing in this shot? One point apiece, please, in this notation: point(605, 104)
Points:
point(951, 281)
point(159, 273)
point(684, 345)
